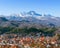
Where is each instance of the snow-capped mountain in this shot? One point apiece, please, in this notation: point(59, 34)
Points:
point(33, 17)
point(31, 14)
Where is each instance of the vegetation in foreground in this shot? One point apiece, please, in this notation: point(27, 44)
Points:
point(15, 37)
point(16, 30)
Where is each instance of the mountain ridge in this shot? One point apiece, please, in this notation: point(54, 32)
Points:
point(32, 17)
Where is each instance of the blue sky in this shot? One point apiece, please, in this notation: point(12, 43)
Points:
point(40, 6)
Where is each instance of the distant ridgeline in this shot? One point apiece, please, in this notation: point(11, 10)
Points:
point(25, 27)
point(30, 22)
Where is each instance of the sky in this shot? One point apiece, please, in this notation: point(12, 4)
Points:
point(8, 7)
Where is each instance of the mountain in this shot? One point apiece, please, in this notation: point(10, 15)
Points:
point(31, 18)
point(33, 13)
point(3, 19)
point(26, 16)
